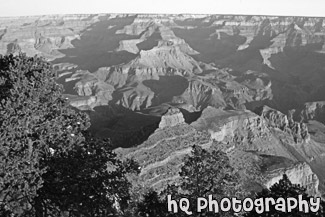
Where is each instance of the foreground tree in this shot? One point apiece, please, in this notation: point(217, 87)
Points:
point(152, 205)
point(285, 189)
point(203, 173)
point(87, 181)
point(45, 150)
point(33, 116)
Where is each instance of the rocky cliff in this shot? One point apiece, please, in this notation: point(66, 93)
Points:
point(252, 86)
point(226, 61)
point(300, 174)
point(310, 111)
point(171, 118)
point(252, 143)
point(276, 119)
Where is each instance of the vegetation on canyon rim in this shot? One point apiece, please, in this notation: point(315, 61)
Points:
point(52, 166)
point(49, 162)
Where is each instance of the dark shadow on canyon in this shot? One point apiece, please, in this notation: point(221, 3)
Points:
point(124, 127)
point(166, 88)
point(211, 45)
point(97, 44)
point(297, 73)
point(150, 42)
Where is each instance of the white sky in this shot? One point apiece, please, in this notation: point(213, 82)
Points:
point(253, 7)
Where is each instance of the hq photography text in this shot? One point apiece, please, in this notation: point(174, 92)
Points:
point(260, 205)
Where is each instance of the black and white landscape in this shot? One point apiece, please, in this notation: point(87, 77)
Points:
point(252, 87)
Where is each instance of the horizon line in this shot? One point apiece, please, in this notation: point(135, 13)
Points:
point(175, 14)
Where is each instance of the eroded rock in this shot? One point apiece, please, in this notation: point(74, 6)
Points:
point(171, 118)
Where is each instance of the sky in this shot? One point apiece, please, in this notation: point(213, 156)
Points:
point(315, 8)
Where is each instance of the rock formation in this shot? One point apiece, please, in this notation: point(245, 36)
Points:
point(310, 111)
point(158, 84)
point(248, 139)
point(298, 174)
point(171, 118)
point(276, 119)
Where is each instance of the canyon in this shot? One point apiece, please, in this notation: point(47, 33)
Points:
point(251, 86)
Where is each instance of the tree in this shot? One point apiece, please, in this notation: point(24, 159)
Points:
point(152, 206)
point(88, 181)
point(285, 189)
point(47, 158)
point(206, 173)
point(33, 116)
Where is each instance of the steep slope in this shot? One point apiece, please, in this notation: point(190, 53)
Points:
point(157, 84)
point(252, 143)
point(43, 35)
point(310, 111)
point(268, 55)
point(290, 50)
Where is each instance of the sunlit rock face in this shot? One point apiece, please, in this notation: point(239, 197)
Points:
point(310, 111)
point(299, 174)
point(273, 140)
point(251, 142)
point(276, 119)
point(43, 35)
point(252, 86)
point(226, 61)
point(172, 118)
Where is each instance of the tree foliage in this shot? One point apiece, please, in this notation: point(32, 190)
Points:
point(87, 181)
point(47, 158)
point(203, 173)
point(207, 173)
point(152, 205)
point(285, 189)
